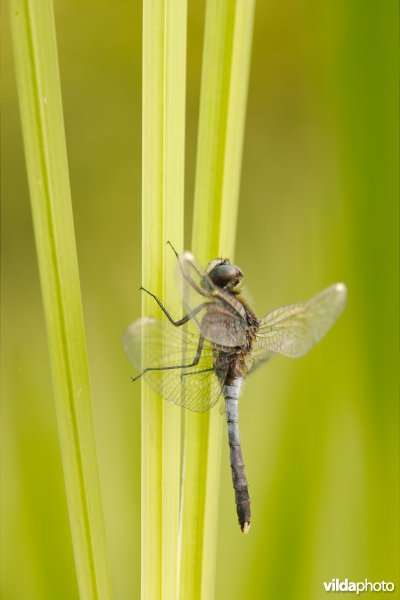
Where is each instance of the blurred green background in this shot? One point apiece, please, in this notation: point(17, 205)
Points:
point(318, 205)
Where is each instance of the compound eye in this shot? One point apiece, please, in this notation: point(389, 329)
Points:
point(222, 275)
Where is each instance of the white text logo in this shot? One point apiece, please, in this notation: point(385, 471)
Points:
point(335, 585)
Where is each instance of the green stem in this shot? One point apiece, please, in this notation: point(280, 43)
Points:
point(164, 64)
point(226, 61)
point(174, 161)
point(152, 260)
point(35, 52)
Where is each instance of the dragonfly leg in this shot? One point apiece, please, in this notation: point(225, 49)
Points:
point(184, 319)
point(173, 249)
point(197, 372)
point(183, 273)
point(192, 364)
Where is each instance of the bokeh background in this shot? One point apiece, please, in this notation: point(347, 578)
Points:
point(318, 205)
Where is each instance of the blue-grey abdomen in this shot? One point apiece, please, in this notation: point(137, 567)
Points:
point(239, 480)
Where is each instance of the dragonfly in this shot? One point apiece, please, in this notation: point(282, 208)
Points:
point(196, 366)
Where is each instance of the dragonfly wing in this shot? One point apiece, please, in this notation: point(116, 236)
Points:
point(195, 277)
point(223, 321)
point(164, 350)
point(293, 330)
point(223, 327)
point(257, 358)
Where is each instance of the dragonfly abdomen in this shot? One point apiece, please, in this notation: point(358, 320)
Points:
point(239, 480)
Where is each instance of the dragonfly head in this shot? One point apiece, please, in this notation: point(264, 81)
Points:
point(223, 274)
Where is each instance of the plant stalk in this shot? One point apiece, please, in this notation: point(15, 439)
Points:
point(36, 64)
point(225, 73)
point(164, 77)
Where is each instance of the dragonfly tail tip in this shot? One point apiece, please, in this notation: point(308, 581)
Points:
point(245, 527)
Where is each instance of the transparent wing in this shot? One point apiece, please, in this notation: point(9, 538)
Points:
point(151, 344)
point(293, 330)
point(219, 325)
point(257, 357)
point(223, 320)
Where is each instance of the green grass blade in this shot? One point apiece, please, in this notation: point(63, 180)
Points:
point(174, 150)
point(39, 94)
point(164, 66)
point(152, 272)
point(226, 61)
